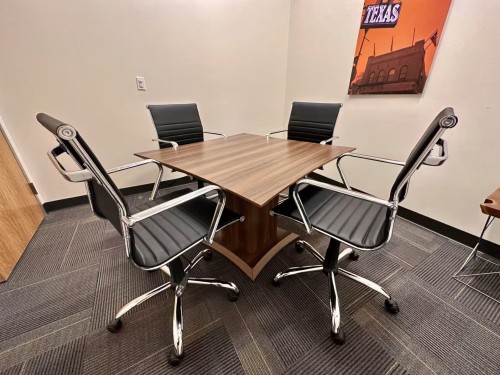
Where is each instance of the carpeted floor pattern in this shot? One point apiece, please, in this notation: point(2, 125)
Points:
point(74, 276)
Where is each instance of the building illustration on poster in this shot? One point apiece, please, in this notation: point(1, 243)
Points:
point(396, 45)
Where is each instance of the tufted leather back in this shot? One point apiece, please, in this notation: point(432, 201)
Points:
point(312, 122)
point(180, 123)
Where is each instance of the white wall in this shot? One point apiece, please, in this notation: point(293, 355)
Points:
point(77, 60)
point(464, 75)
point(243, 61)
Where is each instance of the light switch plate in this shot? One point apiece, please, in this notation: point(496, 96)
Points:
point(141, 83)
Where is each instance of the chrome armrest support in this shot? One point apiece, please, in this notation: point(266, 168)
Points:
point(85, 175)
point(328, 140)
point(437, 160)
point(221, 202)
point(133, 165)
point(338, 189)
point(367, 157)
point(276, 132)
point(174, 144)
point(138, 164)
point(71, 176)
point(215, 133)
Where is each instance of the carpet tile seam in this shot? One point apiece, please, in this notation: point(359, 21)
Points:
point(169, 346)
point(52, 277)
point(401, 342)
point(398, 258)
point(455, 309)
point(70, 243)
point(253, 339)
point(45, 335)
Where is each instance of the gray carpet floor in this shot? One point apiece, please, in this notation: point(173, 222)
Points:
point(74, 276)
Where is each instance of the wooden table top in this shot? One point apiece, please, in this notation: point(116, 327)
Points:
point(248, 165)
point(491, 205)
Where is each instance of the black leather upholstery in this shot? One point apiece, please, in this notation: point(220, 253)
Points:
point(312, 122)
point(445, 119)
point(158, 239)
point(169, 233)
point(102, 203)
point(357, 222)
point(49, 123)
point(101, 200)
point(360, 223)
point(180, 123)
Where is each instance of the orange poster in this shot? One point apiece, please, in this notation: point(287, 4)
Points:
point(397, 42)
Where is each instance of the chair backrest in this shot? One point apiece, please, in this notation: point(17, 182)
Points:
point(312, 122)
point(420, 154)
point(180, 123)
point(105, 198)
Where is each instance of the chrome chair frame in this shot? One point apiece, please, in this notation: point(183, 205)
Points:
point(179, 281)
point(85, 175)
point(473, 254)
point(175, 144)
point(337, 333)
point(324, 142)
point(397, 194)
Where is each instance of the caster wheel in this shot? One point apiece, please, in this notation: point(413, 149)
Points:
point(354, 255)
point(275, 282)
point(299, 247)
point(391, 306)
point(114, 326)
point(339, 337)
point(233, 296)
point(173, 359)
point(208, 256)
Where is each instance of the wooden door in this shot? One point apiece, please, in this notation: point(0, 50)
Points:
point(20, 211)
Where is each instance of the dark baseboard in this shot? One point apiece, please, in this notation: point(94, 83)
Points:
point(446, 230)
point(82, 199)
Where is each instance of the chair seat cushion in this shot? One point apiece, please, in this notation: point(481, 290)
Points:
point(352, 220)
point(168, 234)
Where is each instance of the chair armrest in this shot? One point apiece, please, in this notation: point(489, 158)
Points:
point(221, 202)
point(367, 157)
point(276, 132)
point(437, 160)
point(174, 144)
point(338, 189)
point(328, 140)
point(215, 133)
point(133, 165)
point(138, 164)
point(71, 176)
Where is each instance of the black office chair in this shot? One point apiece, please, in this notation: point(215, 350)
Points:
point(312, 122)
point(357, 219)
point(178, 124)
point(156, 233)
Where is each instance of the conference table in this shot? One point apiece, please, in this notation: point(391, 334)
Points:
point(252, 170)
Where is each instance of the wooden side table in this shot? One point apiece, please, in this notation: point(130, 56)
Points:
point(490, 207)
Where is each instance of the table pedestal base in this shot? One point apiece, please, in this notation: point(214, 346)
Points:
point(250, 245)
point(252, 265)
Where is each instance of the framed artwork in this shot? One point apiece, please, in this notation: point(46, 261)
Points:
point(396, 45)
